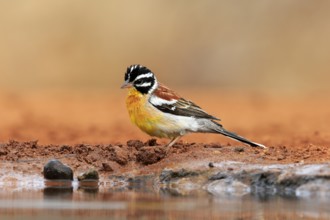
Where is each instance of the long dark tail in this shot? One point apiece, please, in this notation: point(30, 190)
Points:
point(217, 128)
point(239, 138)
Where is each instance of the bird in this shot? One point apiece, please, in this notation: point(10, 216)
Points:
point(163, 113)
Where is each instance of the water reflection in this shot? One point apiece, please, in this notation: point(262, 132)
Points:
point(58, 190)
point(89, 201)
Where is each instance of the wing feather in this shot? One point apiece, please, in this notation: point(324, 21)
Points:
point(167, 101)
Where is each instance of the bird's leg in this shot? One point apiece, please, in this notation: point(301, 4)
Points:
point(170, 144)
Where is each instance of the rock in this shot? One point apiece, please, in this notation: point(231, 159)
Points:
point(224, 187)
point(168, 175)
point(280, 179)
point(90, 174)
point(317, 188)
point(182, 181)
point(56, 170)
point(140, 182)
point(264, 179)
point(211, 165)
point(184, 187)
point(264, 182)
point(292, 181)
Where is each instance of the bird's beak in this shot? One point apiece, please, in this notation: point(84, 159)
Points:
point(126, 85)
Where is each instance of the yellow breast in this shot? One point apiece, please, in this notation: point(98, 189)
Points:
point(142, 114)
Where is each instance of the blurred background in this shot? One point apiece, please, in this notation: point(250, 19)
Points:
point(62, 63)
point(264, 45)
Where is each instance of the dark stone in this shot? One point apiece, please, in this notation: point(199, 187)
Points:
point(55, 170)
point(90, 174)
point(211, 165)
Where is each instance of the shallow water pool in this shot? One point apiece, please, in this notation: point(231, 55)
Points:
point(26, 195)
point(104, 202)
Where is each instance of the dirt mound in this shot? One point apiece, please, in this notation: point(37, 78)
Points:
point(140, 158)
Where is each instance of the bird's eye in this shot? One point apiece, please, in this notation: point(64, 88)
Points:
point(139, 81)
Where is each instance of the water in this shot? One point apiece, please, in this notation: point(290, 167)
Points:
point(62, 201)
point(24, 194)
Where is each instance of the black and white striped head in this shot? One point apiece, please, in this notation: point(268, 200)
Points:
point(141, 78)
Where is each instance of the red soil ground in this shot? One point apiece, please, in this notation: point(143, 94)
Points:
point(92, 129)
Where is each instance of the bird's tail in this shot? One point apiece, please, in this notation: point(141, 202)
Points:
point(219, 129)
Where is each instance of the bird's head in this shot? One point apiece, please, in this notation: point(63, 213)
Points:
point(141, 78)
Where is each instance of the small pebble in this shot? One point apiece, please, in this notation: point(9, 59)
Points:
point(90, 174)
point(211, 165)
